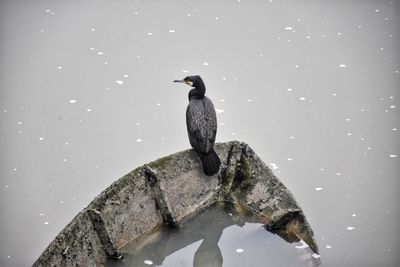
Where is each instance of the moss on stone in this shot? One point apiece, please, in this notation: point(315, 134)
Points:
point(245, 167)
point(242, 177)
point(161, 163)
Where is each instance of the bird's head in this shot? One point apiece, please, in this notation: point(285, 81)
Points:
point(193, 81)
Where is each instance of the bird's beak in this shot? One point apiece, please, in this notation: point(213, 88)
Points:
point(179, 81)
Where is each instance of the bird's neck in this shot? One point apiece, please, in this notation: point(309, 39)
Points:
point(198, 92)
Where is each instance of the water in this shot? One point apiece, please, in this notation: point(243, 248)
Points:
point(217, 236)
point(323, 79)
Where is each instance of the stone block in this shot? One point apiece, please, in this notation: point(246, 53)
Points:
point(127, 208)
point(77, 245)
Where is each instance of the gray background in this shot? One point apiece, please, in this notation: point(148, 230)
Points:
point(86, 95)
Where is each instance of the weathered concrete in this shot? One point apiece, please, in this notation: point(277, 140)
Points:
point(182, 184)
point(77, 245)
point(254, 186)
point(127, 208)
point(170, 190)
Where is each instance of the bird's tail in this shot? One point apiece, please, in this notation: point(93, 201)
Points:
point(211, 162)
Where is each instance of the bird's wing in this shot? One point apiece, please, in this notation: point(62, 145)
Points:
point(201, 124)
point(194, 122)
point(211, 121)
point(211, 117)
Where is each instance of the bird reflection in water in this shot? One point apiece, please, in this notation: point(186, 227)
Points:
point(206, 226)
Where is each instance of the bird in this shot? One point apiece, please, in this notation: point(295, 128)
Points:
point(201, 123)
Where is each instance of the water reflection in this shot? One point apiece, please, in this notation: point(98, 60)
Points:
point(227, 238)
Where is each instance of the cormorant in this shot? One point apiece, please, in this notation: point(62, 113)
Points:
point(201, 123)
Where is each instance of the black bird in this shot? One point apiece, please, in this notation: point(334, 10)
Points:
point(201, 123)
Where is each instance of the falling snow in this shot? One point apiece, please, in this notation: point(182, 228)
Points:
point(274, 166)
